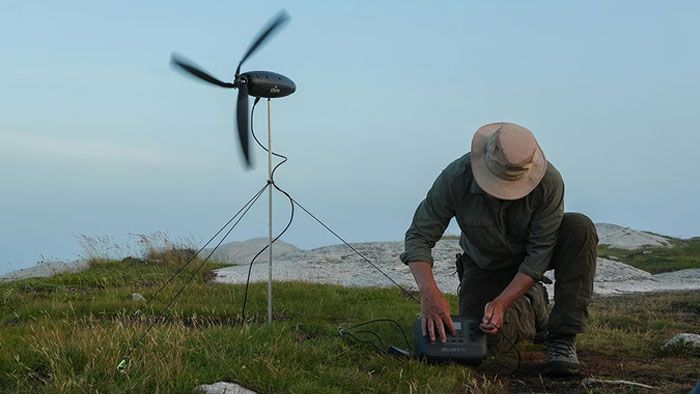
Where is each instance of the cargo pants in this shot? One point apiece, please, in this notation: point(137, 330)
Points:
point(573, 262)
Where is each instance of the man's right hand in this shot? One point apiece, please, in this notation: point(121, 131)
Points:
point(435, 310)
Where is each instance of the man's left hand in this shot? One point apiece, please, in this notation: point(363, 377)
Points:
point(493, 317)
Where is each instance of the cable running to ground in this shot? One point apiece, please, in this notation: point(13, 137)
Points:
point(272, 182)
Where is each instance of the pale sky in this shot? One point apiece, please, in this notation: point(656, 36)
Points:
point(100, 136)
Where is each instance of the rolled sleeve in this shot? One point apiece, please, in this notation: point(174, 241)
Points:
point(432, 217)
point(544, 228)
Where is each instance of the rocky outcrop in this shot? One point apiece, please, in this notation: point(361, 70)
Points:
point(243, 252)
point(339, 265)
point(625, 238)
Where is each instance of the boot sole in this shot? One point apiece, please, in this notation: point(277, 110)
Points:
point(561, 368)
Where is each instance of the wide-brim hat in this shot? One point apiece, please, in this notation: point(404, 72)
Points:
point(506, 160)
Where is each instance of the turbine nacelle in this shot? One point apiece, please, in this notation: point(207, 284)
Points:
point(253, 83)
point(267, 84)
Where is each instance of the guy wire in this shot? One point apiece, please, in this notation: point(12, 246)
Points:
point(245, 210)
point(177, 272)
point(356, 251)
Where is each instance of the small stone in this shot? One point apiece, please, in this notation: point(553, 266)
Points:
point(683, 340)
point(137, 297)
point(223, 388)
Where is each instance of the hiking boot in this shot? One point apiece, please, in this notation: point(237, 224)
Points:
point(538, 299)
point(561, 355)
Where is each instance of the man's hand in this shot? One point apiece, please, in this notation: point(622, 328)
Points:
point(494, 310)
point(493, 317)
point(435, 310)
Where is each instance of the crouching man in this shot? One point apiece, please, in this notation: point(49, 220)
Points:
point(508, 201)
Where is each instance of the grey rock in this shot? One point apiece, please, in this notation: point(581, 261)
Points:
point(223, 388)
point(626, 238)
point(615, 271)
point(339, 265)
point(45, 270)
point(683, 340)
point(692, 274)
point(242, 252)
point(137, 297)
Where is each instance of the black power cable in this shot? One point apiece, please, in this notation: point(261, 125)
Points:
point(517, 367)
point(374, 334)
point(344, 333)
point(252, 131)
point(348, 331)
point(272, 182)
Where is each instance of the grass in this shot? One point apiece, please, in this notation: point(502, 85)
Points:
point(66, 334)
point(684, 254)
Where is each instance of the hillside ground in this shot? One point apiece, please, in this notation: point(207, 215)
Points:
point(68, 333)
point(683, 254)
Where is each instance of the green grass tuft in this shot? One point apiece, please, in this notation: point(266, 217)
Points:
point(684, 254)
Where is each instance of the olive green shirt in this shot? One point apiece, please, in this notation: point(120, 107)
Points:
point(495, 233)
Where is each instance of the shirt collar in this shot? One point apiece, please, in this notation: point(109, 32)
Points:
point(475, 188)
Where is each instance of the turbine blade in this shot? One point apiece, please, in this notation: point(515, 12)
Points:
point(194, 70)
point(242, 120)
point(282, 17)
